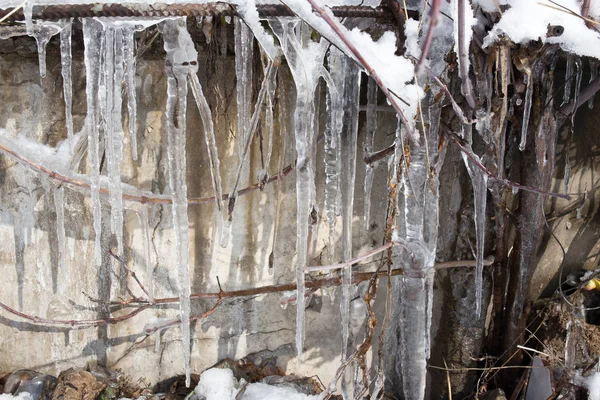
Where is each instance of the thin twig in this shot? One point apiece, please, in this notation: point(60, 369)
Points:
point(369, 69)
point(14, 10)
point(129, 271)
point(176, 321)
point(533, 350)
point(561, 8)
point(448, 379)
point(503, 181)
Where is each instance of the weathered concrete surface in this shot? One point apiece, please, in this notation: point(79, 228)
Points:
point(35, 109)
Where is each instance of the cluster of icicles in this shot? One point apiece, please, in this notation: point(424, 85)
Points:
point(110, 61)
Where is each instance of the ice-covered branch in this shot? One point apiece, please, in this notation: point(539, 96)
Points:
point(434, 15)
point(138, 196)
point(464, 41)
point(583, 97)
point(356, 53)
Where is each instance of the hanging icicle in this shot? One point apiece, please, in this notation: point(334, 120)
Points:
point(213, 157)
point(368, 147)
point(66, 62)
point(59, 206)
point(593, 75)
point(181, 62)
point(130, 67)
point(526, 108)
point(305, 59)
point(352, 76)
point(333, 131)
point(92, 36)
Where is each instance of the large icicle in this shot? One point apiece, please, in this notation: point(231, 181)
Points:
point(270, 128)
point(333, 130)
point(59, 200)
point(66, 62)
point(479, 182)
point(420, 182)
point(526, 109)
point(351, 74)
point(244, 54)
point(181, 62)
point(593, 75)
point(569, 76)
point(305, 59)
point(92, 35)
point(130, 63)
point(213, 156)
point(368, 147)
point(113, 78)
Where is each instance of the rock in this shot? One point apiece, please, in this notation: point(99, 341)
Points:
point(40, 387)
point(77, 385)
point(496, 394)
point(175, 388)
point(13, 381)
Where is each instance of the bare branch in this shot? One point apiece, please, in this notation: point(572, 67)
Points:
point(129, 271)
point(503, 181)
point(434, 15)
point(144, 305)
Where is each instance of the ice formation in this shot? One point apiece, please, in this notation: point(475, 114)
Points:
point(92, 36)
point(182, 61)
point(66, 62)
point(368, 148)
point(305, 59)
point(110, 63)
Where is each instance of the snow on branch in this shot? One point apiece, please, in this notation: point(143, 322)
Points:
point(390, 72)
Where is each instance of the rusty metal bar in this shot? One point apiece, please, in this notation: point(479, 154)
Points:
point(54, 12)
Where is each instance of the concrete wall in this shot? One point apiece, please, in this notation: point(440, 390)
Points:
point(33, 283)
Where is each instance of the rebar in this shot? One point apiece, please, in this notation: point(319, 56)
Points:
point(54, 12)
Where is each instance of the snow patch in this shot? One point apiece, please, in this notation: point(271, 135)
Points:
point(220, 384)
point(519, 25)
point(593, 382)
